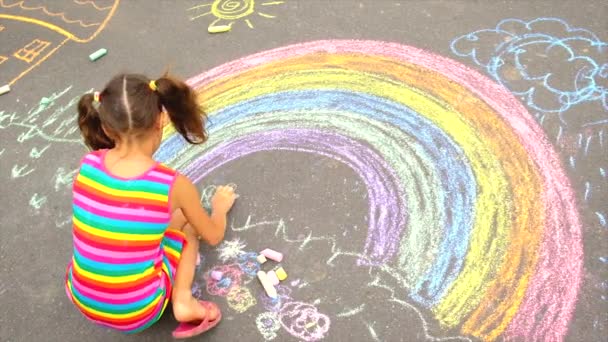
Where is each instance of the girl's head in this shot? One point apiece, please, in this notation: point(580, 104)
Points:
point(130, 107)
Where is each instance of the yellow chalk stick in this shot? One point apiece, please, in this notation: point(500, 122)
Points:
point(281, 274)
point(219, 29)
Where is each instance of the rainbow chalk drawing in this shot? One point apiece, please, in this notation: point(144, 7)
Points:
point(561, 73)
point(469, 204)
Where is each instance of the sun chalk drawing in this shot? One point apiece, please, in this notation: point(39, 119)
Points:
point(58, 22)
point(493, 239)
point(227, 12)
point(231, 249)
point(525, 56)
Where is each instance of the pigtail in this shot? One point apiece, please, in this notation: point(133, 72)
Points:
point(185, 113)
point(90, 125)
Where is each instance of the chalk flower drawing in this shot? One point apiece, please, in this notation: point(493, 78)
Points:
point(268, 324)
point(240, 299)
point(227, 12)
point(231, 278)
point(525, 57)
point(304, 321)
point(493, 241)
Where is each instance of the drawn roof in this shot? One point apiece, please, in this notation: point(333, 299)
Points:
point(79, 20)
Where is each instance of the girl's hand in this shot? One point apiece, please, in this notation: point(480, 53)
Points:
point(223, 199)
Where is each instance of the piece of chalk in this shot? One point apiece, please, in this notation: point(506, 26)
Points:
point(97, 54)
point(272, 276)
point(281, 274)
point(5, 89)
point(219, 28)
point(272, 255)
point(261, 259)
point(45, 101)
point(217, 275)
point(268, 287)
point(198, 256)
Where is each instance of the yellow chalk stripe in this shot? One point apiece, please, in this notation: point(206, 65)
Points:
point(172, 252)
point(112, 279)
point(120, 193)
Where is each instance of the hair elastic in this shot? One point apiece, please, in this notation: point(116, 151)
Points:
point(96, 97)
point(152, 85)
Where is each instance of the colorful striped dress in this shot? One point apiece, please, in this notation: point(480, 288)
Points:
point(124, 253)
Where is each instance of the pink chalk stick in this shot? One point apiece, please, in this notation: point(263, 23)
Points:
point(272, 255)
point(217, 275)
point(273, 278)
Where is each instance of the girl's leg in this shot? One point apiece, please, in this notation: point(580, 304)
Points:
point(186, 308)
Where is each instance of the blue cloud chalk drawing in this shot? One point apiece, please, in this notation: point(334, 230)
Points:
point(525, 57)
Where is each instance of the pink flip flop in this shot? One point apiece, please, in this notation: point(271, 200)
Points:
point(191, 329)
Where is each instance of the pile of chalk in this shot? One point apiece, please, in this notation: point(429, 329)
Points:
point(268, 279)
point(271, 278)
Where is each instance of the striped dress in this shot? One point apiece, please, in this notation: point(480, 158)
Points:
point(124, 253)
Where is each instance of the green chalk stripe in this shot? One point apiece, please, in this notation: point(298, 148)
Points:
point(97, 54)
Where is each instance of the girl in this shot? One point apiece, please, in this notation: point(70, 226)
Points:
point(136, 222)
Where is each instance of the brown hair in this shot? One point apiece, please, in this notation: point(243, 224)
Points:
point(128, 105)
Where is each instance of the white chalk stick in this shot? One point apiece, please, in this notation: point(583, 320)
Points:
point(274, 280)
point(5, 89)
point(272, 255)
point(261, 259)
point(268, 287)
